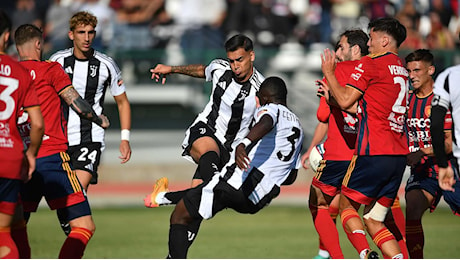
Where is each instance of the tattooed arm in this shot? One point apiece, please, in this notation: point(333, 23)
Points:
point(193, 70)
point(82, 107)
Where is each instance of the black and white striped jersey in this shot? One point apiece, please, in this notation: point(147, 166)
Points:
point(231, 106)
point(272, 159)
point(447, 94)
point(90, 77)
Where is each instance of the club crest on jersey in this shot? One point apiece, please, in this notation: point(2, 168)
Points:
point(93, 70)
point(243, 94)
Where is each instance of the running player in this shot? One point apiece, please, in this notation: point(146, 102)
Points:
point(91, 73)
point(268, 157)
point(339, 145)
point(225, 120)
point(16, 91)
point(422, 189)
point(54, 177)
point(379, 84)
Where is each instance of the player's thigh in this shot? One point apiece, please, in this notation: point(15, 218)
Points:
point(203, 145)
point(329, 176)
point(374, 177)
point(9, 196)
point(61, 187)
point(86, 157)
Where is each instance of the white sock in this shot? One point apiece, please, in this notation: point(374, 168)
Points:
point(323, 253)
point(160, 199)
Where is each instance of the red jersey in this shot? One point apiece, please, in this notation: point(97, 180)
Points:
point(16, 91)
point(49, 80)
point(342, 127)
point(383, 81)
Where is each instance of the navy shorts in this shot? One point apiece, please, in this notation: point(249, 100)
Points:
point(9, 195)
point(86, 157)
point(329, 176)
point(55, 180)
point(374, 178)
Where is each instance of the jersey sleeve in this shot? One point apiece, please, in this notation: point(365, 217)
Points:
point(442, 97)
point(217, 64)
point(117, 87)
point(270, 110)
point(58, 78)
point(323, 112)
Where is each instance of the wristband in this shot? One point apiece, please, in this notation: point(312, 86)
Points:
point(125, 134)
point(246, 142)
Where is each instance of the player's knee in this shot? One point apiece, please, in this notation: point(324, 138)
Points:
point(84, 222)
point(377, 213)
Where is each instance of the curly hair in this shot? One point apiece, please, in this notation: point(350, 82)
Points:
point(82, 18)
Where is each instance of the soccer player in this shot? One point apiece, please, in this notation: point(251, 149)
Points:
point(91, 73)
point(268, 157)
point(446, 97)
point(225, 120)
point(339, 145)
point(422, 189)
point(17, 164)
point(379, 83)
point(54, 177)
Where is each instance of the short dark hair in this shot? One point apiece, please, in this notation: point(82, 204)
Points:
point(5, 22)
point(390, 26)
point(239, 41)
point(276, 87)
point(26, 32)
point(420, 55)
point(357, 37)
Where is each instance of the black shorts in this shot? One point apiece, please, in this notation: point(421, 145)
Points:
point(199, 130)
point(207, 199)
point(86, 157)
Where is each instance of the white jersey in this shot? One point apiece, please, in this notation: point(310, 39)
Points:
point(275, 155)
point(231, 106)
point(447, 94)
point(90, 78)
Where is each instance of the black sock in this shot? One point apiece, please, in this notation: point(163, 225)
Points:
point(175, 196)
point(178, 241)
point(208, 165)
point(193, 228)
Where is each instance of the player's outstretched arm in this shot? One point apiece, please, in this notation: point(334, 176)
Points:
point(161, 70)
point(82, 107)
point(124, 111)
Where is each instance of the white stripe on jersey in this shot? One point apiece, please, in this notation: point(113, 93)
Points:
point(445, 87)
point(101, 70)
point(231, 105)
point(275, 155)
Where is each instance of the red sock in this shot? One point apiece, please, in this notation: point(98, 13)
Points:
point(8, 249)
point(328, 233)
point(19, 235)
point(75, 244)
point(398, 217)
point(356, 237)
point(415, 239)
point(382, 236)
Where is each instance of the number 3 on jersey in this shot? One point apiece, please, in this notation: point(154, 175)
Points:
point(9, 85)
point(292, 138)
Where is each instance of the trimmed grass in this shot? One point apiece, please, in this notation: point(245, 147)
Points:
point(275, 232)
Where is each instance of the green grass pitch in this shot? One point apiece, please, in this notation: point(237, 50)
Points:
point(275, 232)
